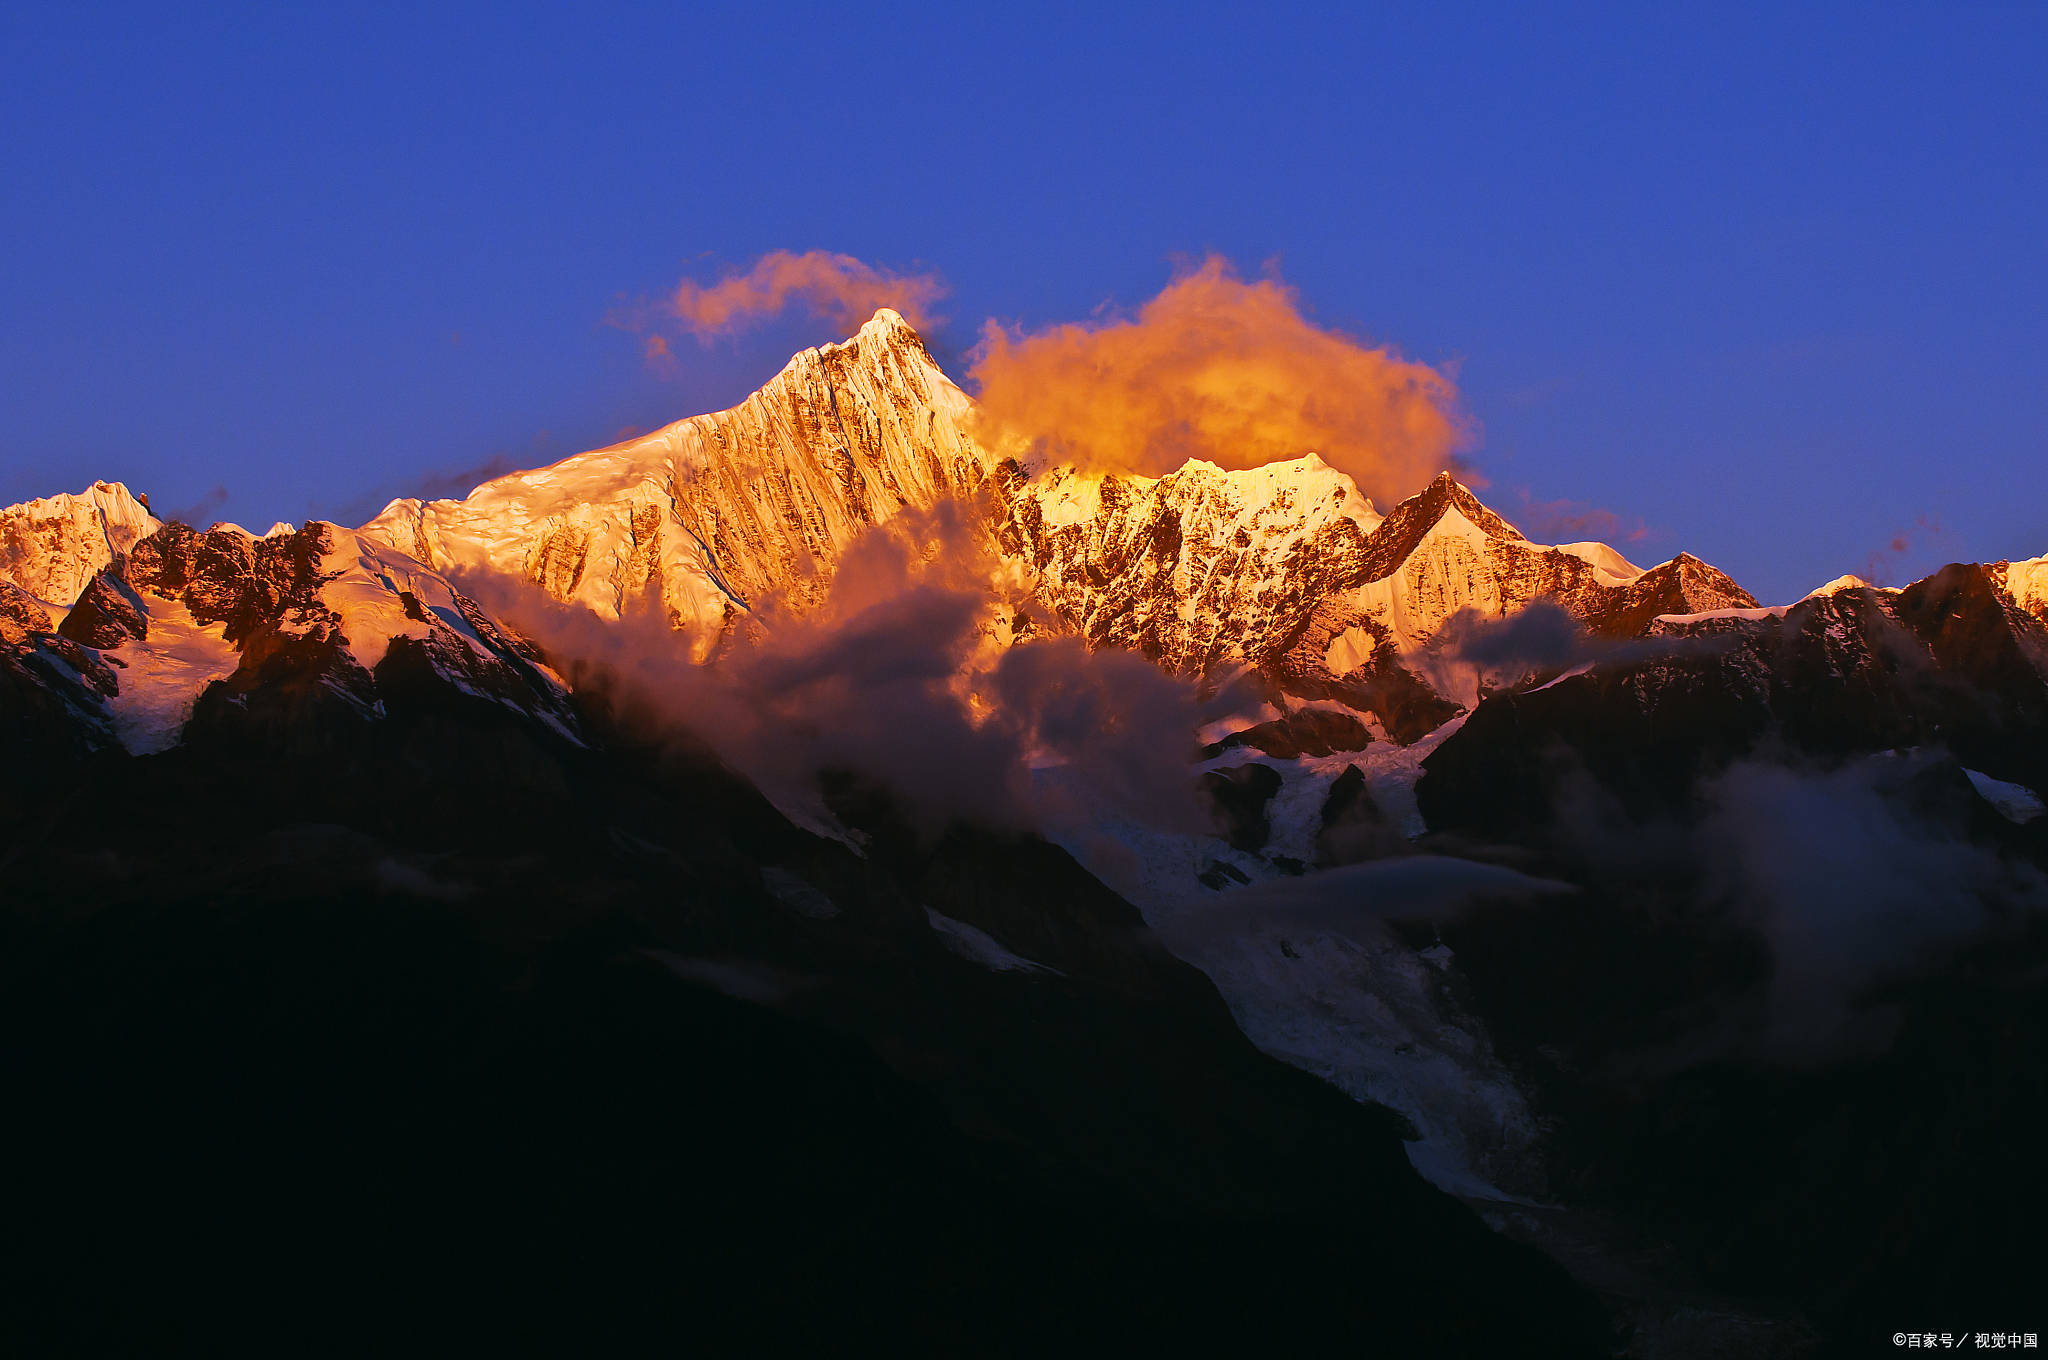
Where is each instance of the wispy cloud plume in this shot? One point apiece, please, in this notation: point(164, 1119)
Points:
point(199, 514)
point(1883, 564)
point(452, 483)
point(446, 482)
point(838, 288)
point(1567, 521)
point(888, 677)
point(1221, 369)
point(1852, 881)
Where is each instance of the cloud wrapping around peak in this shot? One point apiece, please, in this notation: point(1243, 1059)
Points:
point(1224, 370)
point(885, 677)
point(838, 288)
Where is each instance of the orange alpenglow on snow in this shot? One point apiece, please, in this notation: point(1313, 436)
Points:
point(1223, 370)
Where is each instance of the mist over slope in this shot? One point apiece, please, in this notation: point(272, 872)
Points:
point(1002, 822)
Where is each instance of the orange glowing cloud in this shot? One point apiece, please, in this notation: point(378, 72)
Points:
point(1224, 370)
point(839, 288)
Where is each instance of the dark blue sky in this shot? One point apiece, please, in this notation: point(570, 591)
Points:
point(1773, 283)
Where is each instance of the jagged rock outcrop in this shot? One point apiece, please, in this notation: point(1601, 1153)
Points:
point(1193, 569)
point(1950, 661)
point(1352, 825)
point(1284, 567)
point(501, 993)
point(1237, 798)
point(1303, 732)
point(52, 690)
point(222, 622)
point(313, 691)
point(1287, 568)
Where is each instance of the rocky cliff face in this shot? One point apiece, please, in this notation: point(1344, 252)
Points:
point(1194, 569)
point(1288, 566)
point(303, 696)
point(712, 515)
point(188, 624)
point(376, 929)
point(1288, 569)
point(1953, 661)
point(1809, 850)
point(1284, 567)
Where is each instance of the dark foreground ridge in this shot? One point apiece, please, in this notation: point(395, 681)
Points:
point(326, 1030)
point(399, 984)
point(1794, 1018)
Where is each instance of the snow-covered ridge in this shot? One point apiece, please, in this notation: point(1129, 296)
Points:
point(181, 611)
point(1756, 615)
point(161, 676)
point(378, 594)
point(1193, 568)
point(1842, 583)
point(1285, 566)
point(52, 547)
point(1611, 567)
point(2015, 802)
point(281, 527)
point(1290, 498)
point(1288, 568)
point(707, 516)
point(2027, 583)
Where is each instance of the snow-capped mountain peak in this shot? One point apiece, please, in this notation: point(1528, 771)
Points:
point(1285, 566)
point(52, 547)
point(712, 513)
point(1841, 583)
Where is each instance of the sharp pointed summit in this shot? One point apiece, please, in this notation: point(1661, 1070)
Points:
point(331, 676)
point(1285, 567)
point(713, 513)
point(51, 547)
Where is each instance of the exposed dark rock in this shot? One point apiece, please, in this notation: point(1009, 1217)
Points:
point(228, 578)
point(1158, 570)
point(1632, 1009)
point(1238, 798)
point(1304, 732)
point(20, 615)
point(1946, 662)
point(1353, 828)
point(107, 614)
point(51, 714)
point(398, 1013)
point(1219, 875)
point(1407, 708)
point(1684, 585)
